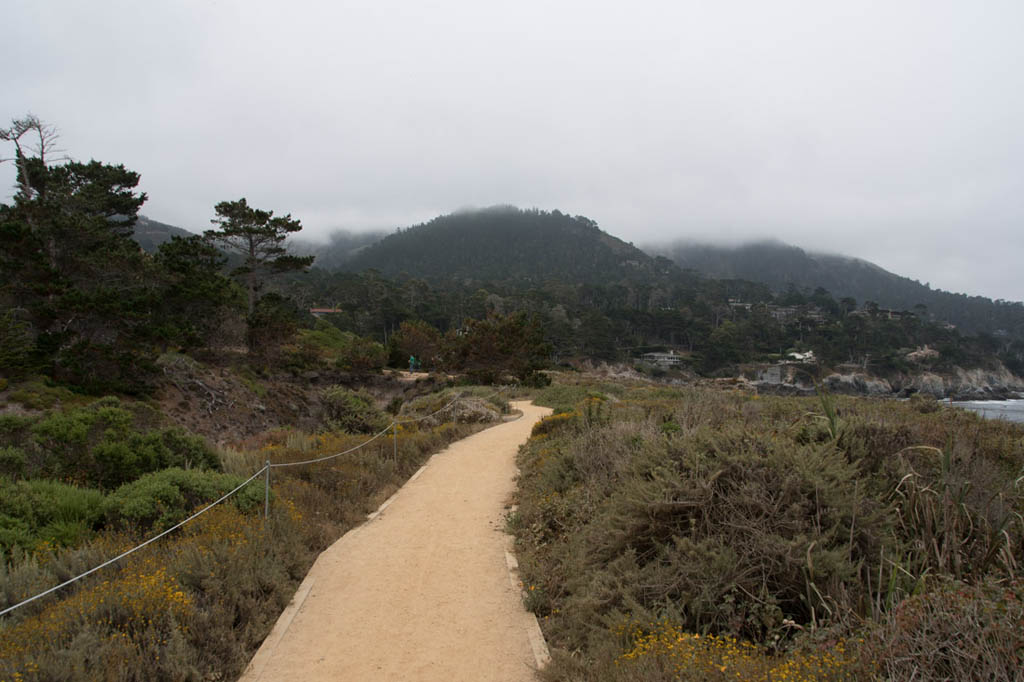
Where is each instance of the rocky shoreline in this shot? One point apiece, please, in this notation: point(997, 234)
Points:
point(959, 384)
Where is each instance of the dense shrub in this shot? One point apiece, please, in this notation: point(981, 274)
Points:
point(104, 444)
point(16, 345)
point(12, 461)
point(39, 395)
point(40, 510)
point(352, 411)
point(326, 345)
point(664, 651)
point(953, 631)
point(99, 368)
point(160, 499)
point(775, 521)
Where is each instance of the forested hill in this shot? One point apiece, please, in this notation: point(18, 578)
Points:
point(780, 266)
point(506, 243)
point(528, 248)
point(150, 234)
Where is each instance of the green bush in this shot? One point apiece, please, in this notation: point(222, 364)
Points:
point(363, 355)
point(98, 369)
point(47, 510)
point(564, 397)
point(12, 462)
point(16, 345)
point(15, 532)
point(36, 395)
point(160, 499)
point(327, 344)
point(103, 445)
point(536, 380)
point(351, 411)
point(924, 403)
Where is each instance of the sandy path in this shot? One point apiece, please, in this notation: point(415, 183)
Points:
point(423, 591)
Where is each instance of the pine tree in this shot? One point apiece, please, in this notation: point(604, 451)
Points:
point(196, 297)
point(69, 265)
point(259, 238)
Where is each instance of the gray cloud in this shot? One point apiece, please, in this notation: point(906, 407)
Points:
point(885, 130)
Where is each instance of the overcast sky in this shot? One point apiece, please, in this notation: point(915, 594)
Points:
point(891, 131)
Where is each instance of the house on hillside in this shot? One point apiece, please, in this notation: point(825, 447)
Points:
point(664, 360)
point(883, 313)
point(896, 314)
point(320, 312)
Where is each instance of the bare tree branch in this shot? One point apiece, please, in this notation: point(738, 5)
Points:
point(20, 134)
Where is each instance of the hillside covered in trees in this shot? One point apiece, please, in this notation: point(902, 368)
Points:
point(599, 297)
point(782, 266)
point(504, 243)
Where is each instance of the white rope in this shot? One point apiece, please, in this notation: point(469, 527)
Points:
point(133, 549)
point(427, 416)
point(337, 454)
point(371, 439)
point(453, 401)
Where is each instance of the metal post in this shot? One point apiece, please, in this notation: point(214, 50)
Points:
point(266, 492)
point(396, 442)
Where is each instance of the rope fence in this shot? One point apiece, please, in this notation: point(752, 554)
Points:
point(265, 472)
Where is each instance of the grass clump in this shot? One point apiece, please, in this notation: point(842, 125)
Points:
point(465, 404)
point(565, 394)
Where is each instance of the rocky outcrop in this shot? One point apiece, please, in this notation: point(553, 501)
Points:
point(959, 384)
point(857, 384)
point(964, 384)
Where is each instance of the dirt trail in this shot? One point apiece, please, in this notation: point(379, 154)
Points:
point(422, 591)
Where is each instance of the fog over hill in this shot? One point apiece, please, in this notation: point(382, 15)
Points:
point(505, 243)
point(782, 266)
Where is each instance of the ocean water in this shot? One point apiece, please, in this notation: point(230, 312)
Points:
point(1011, 410)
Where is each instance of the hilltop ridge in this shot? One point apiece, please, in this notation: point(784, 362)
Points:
point(506, 243)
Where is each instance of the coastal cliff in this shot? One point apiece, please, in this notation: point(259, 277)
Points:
point(964, 384)
point(959, 383)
